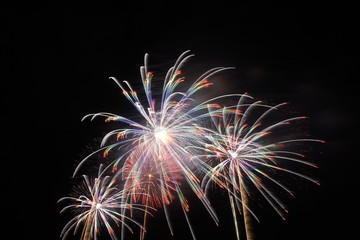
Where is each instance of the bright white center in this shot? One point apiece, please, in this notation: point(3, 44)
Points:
point(232, 153)
point(161, 134)
point(98, 205)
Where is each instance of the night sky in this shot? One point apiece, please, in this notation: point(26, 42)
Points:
point(58, 60)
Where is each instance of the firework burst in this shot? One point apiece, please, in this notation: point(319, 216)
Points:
point(98, 204)
point(160, 143)
point(241, 149)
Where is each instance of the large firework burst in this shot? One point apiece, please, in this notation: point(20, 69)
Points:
point(161, 141)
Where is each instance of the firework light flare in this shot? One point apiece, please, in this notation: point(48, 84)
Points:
point(99, 203)
point(181, 144)
point(241, 149)
point(156, 179)
point(148, 176)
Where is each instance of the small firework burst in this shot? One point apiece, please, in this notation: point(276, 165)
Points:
point(99, 204)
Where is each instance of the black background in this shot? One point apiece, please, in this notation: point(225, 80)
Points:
point(58, 57)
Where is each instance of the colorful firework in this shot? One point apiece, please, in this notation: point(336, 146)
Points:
point(161, 141)
point(241, 149)
point(171, 145)
point(100, 203)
